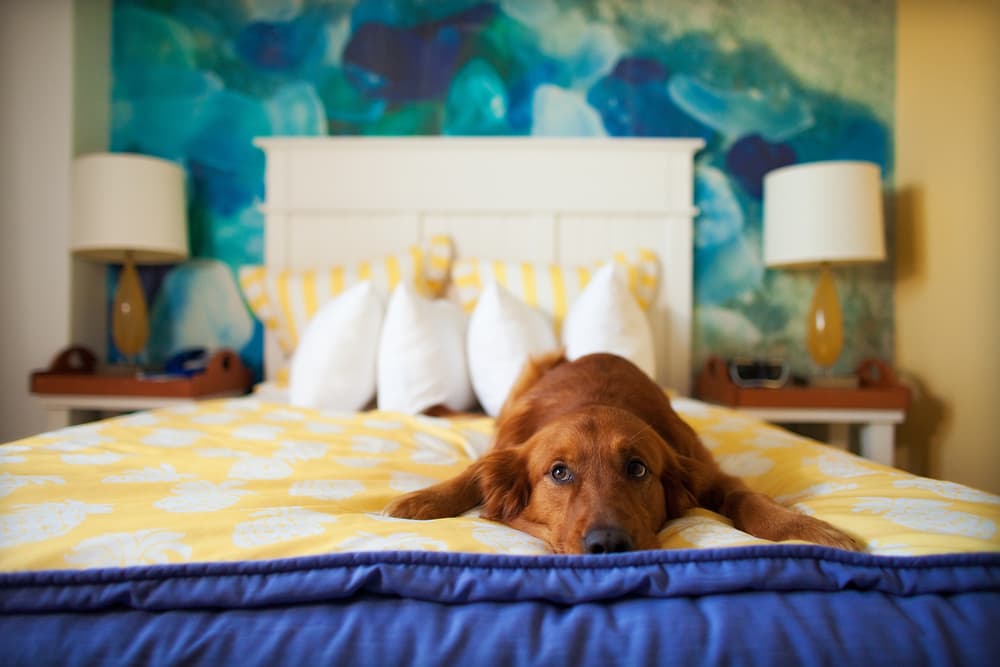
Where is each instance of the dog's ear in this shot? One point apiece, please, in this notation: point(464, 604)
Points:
point(685, 480)
point(689, 470)
point(504, 483)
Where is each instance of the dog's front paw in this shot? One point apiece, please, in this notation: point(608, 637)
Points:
point(417, 505)
point(817, 531)
point(761, 516)
point(409, 506)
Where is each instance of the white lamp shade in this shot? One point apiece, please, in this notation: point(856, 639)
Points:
point(823, 212)
point(124, 202)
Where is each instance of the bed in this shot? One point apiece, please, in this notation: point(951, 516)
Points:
point(249, 531)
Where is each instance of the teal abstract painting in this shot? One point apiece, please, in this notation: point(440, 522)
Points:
point(764, 83)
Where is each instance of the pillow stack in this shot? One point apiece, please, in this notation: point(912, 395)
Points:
point(504, 332)
point(412, 351)
point(421, 356)
point(334, 363)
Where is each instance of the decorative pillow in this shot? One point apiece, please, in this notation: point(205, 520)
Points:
point(334, 364)
point(421, 355)
point(551, 287)
point(285, 300)
point(606, 318)
point(503, 333)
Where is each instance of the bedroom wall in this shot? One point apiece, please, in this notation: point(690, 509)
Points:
point(36, 134)
point(947, 166)
point(43, 47)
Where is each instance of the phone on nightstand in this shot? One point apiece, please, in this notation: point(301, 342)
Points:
point(758, 373)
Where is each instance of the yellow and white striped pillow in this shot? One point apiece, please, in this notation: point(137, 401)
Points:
point(286, 299)
point(552, 288)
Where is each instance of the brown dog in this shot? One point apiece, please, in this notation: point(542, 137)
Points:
point(590, 457)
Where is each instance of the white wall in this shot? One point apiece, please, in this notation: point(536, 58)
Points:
point(37, 130)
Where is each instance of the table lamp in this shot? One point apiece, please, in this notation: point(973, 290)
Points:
point(822, 213)
point(128, 209)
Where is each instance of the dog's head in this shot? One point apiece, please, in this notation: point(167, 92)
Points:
point(597, 480)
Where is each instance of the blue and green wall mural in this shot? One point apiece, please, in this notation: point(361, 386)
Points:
point(764, 83)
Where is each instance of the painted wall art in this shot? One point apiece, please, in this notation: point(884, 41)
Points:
point(765, 83)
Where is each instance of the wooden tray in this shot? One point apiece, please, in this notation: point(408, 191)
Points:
point(878, 390)
point(74, 371)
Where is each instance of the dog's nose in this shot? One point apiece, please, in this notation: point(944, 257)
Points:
point(606, 541)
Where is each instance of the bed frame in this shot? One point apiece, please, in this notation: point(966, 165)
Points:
point(341, 199)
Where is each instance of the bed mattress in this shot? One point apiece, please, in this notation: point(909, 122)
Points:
point(245, 531)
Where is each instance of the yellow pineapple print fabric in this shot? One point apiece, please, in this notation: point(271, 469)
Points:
point(244, 479)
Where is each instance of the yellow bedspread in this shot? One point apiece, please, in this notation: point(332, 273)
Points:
point(245, 479)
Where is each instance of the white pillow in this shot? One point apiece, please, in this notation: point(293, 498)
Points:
point(503, 333)
point(333, 366)
point(607, 318)
point(421, 356)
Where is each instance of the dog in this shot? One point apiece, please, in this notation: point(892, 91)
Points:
point(590, 457)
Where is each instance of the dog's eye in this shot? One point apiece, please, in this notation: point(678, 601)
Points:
point(560, 472)
point(636, 469)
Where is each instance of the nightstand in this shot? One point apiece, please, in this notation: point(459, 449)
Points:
point(875, 406)
point(73, 391)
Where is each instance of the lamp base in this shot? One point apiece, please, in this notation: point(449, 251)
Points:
point(129, 320)
point(825, 326)
point(834, 381)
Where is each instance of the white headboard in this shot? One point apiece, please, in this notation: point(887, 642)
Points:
point(334, 200)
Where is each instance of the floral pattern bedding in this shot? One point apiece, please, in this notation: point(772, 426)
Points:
point(245, 479)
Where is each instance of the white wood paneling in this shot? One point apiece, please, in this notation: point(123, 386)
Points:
point(314, 240)
point(527, 237)
point(490, 174)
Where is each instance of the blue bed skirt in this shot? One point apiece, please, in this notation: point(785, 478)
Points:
point(768, 605)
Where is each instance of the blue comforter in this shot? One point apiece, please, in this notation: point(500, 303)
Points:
point(768, 605)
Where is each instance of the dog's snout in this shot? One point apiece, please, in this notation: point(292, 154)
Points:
point(606, 541)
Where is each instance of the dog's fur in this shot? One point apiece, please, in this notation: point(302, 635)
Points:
point(590, 457)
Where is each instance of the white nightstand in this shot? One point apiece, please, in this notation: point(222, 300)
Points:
point(876, 406)
point(63, 410)
point(877, 428)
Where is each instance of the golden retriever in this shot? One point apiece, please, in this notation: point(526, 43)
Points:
point(590, 457)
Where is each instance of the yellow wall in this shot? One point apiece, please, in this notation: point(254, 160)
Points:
point(948, 236)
